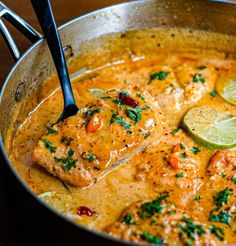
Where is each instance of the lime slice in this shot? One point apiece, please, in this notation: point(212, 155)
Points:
point(226, 88)
point(210, 128)
point(60, 201)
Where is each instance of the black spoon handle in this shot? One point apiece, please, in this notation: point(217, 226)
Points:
point(46, 20)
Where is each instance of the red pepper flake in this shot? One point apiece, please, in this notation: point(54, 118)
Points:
point(127, 100)
point(82, 210)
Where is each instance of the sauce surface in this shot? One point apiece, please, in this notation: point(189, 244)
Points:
point(168, 76)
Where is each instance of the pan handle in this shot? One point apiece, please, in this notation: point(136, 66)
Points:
point(21, 25)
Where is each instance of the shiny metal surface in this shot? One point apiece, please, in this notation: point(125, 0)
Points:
point(36, 64)
point(21, 25)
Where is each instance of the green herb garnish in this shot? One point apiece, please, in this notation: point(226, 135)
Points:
point(118, 102)
point(195, 150)
point(68, 162)
point(49, 146)
point(175, 131)
point(115, 119)
point(199, 78)
point(179, 175)
point(87, 156)
point(145, 107)
point(150, 208)
point(222, 198)
point(134, 114)
point(67, 140)
point(51, 131)
point(217, 231)
point(105, 97)
point(212, 93)
point(182, 146)
point(233, 214)
point(125, 93)
point(172, 212)
point(183, 155)
point(190, 230)
point(158, 76)
point(222, 217)
point(147, 134)
point(90, 113)
point(127, 219)
point(141, 97)
point(197, 198)
point(234, 180)
point(151, 238)
point(223, 175)
point(201, 67)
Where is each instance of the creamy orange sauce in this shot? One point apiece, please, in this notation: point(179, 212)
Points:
point(148, 173)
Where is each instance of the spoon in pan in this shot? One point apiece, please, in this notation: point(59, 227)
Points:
point(46, 20)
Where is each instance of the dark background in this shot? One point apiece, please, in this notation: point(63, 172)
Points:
point(37, 226)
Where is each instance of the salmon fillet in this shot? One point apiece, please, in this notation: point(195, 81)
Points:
point(159, 222)
point(109, 129)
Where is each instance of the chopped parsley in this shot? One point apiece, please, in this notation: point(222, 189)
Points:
point(222, 198)
point(150, 208)
point(175, 131)
point(183, 155)
point(158, 76)
point(199, 78)
point(90, 113)
point(118, 102)
point(89, 157)
point(51, 131)
point(195, 150)
point(68, 162)
point(49, 146)
point(222, 217)
point(234, 180)
point(151, 238)
point(148, 133)
point(145, 107)
point(223, 175)
point(141, 97)
point(217, 231)
point(115, 119)
point(189, 230)
point(179, 175)
point(172, 212)
point(182, 146)
point(125, 93)
point(66, 140)
point(233, 214)
point(197, 198)
point(212, 93)
point(134, 114)
point(201, 67)
point(127, 219)
point(105, 97)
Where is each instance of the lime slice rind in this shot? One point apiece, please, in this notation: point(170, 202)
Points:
point(227, 90)
point(210, 129)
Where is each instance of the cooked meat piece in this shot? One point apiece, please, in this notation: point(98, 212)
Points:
point(223, 161)
point(161, 83)
point(172, 165)
point(158, 222)
point(110, 129)
point(196, 80)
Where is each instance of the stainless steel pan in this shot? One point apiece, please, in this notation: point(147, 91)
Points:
point(35, 65)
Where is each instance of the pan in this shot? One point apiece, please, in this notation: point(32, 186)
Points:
point(44, 224)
